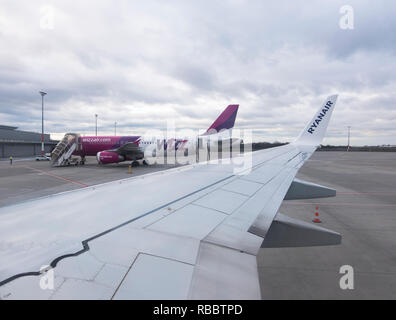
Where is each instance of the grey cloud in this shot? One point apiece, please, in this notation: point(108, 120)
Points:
point(141, 63)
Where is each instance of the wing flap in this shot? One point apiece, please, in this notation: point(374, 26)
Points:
point(153, 277)
point(226, 273)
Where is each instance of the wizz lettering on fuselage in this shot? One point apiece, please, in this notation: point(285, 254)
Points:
point(320, 117)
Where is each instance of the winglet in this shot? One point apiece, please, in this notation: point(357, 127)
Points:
point(315, 130)
point(224, 121)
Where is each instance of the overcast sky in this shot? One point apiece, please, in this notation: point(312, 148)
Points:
point(141, 63)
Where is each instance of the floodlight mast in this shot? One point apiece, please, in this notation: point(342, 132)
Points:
point(42, 93)
point(96, 124)
point(349, 138)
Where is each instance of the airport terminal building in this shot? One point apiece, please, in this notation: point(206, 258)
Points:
point(18, 143)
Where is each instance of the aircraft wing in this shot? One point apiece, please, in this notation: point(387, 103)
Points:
point(187, 233)
point(130, 148)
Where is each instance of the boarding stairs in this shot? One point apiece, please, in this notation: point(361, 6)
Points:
point(62, 154)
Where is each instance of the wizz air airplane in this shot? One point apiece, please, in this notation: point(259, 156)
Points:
point(191, 232)
point(112, 149)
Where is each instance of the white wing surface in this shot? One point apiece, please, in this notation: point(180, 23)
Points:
point(185, 233)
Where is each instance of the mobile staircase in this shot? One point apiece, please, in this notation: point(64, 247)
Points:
point(62, 154)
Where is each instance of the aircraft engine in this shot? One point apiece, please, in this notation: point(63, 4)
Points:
point(105, 157)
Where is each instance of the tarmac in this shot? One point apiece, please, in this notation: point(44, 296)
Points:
point(364, 212)
point(30, 179)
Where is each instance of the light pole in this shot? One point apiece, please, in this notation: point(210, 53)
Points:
point(115, 128)
point(349, 137)
point(42, 122)
point(96, 124)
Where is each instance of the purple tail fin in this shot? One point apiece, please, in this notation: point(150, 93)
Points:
point(224, 121)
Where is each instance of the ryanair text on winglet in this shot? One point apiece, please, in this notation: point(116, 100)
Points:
point(320, 117)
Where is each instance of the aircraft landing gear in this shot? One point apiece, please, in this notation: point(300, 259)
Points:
point(82, 161)
point(135, 163)
point(145, 163)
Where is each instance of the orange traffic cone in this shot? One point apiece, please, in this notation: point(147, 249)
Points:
point(316, 219)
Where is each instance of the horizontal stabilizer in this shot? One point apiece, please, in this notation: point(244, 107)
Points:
point(300, 189)
point(288, 232)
